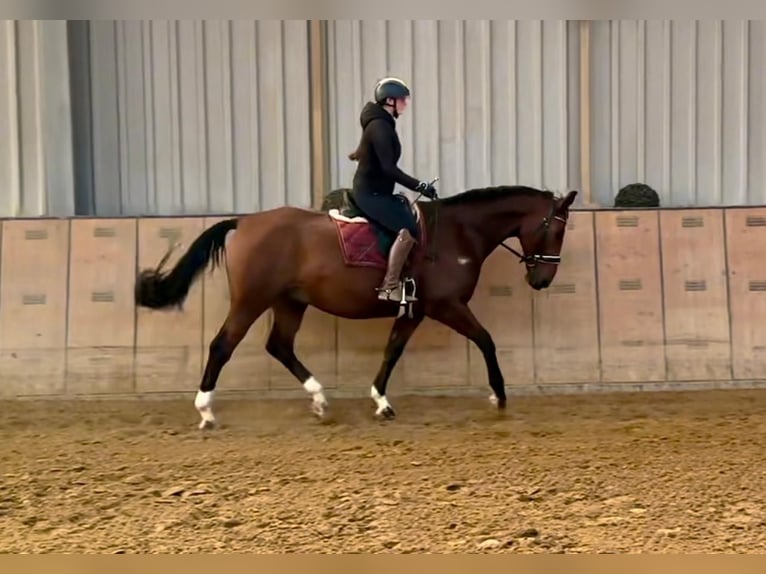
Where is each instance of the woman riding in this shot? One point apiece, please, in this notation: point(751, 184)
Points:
point(378, 152)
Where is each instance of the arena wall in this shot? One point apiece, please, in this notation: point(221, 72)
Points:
point(645, 299)
point(122, 120)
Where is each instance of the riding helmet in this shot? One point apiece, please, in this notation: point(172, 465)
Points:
point(390, 88)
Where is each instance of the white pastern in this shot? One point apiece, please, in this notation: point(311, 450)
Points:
point(314, 388)
point(204, 403)
point(380, 401)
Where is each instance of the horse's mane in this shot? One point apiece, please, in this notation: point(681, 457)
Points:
point(483, 194)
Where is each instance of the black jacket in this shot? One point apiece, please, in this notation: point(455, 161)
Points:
point(378, 153)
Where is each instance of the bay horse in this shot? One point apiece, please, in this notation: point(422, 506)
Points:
point(288, 258)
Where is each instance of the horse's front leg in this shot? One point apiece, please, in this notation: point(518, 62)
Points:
point(459, 317)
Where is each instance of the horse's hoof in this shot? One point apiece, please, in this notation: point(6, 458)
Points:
point(206, 425)
point(499, 403)
point(319, 410)
point(387, 413)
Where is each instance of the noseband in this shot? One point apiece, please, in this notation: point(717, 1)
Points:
point(532, 260)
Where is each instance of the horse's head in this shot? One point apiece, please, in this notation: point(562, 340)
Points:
point(537, 218)
point(541, 235)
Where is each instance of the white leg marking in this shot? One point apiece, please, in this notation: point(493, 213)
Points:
point(319, 403)
point(493, 399)
point(381, 401)
point(204, 403)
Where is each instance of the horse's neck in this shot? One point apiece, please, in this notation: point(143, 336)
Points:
point(490, 224)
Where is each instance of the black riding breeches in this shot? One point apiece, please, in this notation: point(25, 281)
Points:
point(391, 212)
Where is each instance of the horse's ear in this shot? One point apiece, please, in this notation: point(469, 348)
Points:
point(568, 200)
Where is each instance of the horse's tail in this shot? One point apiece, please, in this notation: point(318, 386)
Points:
point(158, 290)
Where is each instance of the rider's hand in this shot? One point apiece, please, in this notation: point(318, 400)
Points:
point(426, 189)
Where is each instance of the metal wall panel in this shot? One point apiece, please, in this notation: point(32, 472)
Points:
point(194, 117)
point(492, 100)
point(35, 125)
point(679, 105)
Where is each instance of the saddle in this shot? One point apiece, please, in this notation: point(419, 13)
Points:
point(340, 202)
point(363, 242)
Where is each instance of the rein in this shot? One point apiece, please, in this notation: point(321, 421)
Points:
point(431, 254)
point(530, 260)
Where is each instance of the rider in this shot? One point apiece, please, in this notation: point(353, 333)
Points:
point(373, 189)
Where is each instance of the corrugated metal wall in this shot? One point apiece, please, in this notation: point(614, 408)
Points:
point(35, 124)
point(167, 117)
point(494, 102)
point(196, 117)
point(680, 105)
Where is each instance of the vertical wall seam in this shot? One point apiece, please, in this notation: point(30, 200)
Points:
point(693, 105)
point(667, 154)
point(17, 173)
point(641, 101)
point(744, 125)
point(615, 84)
point(513, 104)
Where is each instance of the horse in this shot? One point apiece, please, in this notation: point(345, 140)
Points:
point(288, 258)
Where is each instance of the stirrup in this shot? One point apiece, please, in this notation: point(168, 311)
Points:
point(398, 294)
point(405, 301)
point(389, 293)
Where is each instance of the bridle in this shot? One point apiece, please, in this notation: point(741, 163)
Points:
point(532, 260)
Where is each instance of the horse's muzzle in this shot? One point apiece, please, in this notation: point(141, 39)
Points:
point(538, 284)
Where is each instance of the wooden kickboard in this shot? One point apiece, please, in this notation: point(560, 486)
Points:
point(630, 296)
point(100, 370)
point(168, 342)
point(102, 314)
point(745, 240)
point(32, 372)
point(697, 342)
point(33, 288)
point(566, 313)
point(33, 307)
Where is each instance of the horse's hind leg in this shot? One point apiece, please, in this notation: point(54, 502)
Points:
point(231, 333)
point(288, 315)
